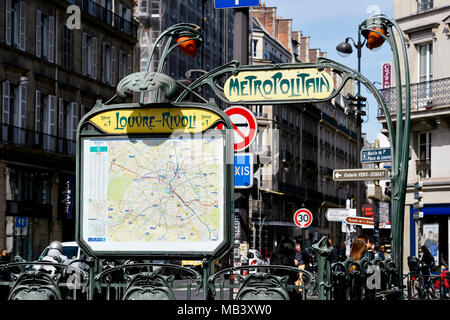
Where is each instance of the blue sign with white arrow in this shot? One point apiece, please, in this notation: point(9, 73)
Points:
point(243, 170)
point(376, 155)
point(223, 4)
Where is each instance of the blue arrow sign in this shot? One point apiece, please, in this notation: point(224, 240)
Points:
point(243, 170)
point(222, 4)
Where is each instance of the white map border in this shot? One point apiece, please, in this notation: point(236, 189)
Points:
point(197, 247)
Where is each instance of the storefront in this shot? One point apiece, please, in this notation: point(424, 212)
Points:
point(432, 231)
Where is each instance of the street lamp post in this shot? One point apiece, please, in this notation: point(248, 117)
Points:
point(345, 49)
point(376, 30)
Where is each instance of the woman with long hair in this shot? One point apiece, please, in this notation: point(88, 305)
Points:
point(357, 251)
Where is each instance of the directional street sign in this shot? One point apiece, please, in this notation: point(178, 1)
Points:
point(339, 214)
point(376, 155)
point(303, 218)
point(360, 174)
point(243, 170)
point(222, 4)
point(244, 125)
point(359, 221)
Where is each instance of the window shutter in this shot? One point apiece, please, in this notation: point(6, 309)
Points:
point(5, 117)
point(84, 56)
point(38, 33)
point(52, 115)
point(51, 39)
point(104, 62)
point(82, 110)
point(94, 57)
point(121, 75)
point(129, 64)
point(22, 43)
point(113, 66)
point(23, 112)
point(8, 23)
point(61, 117)
point(74, 109)
point(37, 115)
point(23, 105)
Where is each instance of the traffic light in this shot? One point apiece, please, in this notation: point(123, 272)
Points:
point(418, 195)
point(387, 189)
point(356, 104)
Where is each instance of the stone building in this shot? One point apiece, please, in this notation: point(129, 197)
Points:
point(51, 74)
point(298, 145)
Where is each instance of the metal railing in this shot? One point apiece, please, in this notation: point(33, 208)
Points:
point(90, 278)
point(37, 140)
point(107, 16)
point(424, 96)
point(423, 168)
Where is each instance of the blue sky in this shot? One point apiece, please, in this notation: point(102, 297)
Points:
point(329, 22)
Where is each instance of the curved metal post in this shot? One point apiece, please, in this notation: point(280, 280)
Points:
point(399, 146)
point(322, 250)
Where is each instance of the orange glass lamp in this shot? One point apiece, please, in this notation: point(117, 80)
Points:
point(187, 45)
point(375, 36)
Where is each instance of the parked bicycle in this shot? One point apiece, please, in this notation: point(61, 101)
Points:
point(421, 281)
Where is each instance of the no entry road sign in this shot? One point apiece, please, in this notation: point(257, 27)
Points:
point(222, 4)
point(359, 221)
point(303, 218)
point(360, 174)
point(244, 125)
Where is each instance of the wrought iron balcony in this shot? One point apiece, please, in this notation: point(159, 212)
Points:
point(37, 140)
point(424, 96)
point(424, 6)
point(107, 16)
point(423, 168)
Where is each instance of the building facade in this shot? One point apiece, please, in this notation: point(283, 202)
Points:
point(426, 27)
point(52, 72)
point(217, 25)
point(298, 146)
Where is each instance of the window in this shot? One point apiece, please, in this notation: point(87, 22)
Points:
point(424, 5)
point(109, 64)
point(125, 19)
point(14, 112)
point(424, 162)
point(15, 24)
point(425, 73)
point(89, 56)
point(255, 46)
point(124, 64)
point(425, 62)
point(45, 36)
point(45, 120)
point(68, 122)
point(67, 48)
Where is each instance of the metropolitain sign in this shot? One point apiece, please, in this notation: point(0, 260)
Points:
point(299, 84)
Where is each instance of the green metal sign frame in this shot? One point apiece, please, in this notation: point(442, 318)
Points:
point(87, 130)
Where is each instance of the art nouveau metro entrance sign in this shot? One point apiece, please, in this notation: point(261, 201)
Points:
point(293, 84)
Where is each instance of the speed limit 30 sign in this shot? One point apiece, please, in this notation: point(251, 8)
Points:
point(303, 218)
